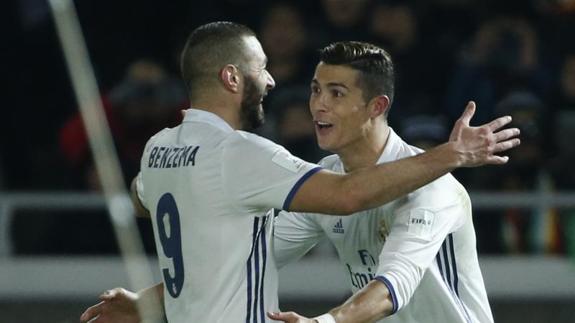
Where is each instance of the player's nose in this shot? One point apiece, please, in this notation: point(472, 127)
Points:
point(271, 83)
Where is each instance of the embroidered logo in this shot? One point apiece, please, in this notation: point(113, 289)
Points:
point(383, 230)
point(338, 227)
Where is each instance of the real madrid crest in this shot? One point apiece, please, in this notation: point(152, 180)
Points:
point(383, 229)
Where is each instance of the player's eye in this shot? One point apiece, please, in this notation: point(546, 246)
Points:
point(336, 93)
point(314, 89)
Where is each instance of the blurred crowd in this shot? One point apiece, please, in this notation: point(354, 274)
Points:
point(513, 57)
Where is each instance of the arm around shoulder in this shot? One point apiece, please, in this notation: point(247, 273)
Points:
point(327, 192)
point(332, 193)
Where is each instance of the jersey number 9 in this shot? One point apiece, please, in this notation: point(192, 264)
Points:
point(168, 221)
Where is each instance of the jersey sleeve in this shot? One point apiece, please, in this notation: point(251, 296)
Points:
point(140, 190)
point(294, 235)
point(416, 235)
point(259, 174)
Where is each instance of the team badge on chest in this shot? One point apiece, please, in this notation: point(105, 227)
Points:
point(383, 230)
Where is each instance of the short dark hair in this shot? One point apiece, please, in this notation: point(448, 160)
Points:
point(376, 76)
point(209, 48)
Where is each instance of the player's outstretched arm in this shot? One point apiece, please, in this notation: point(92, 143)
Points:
point(331, 193)
point(121, 306)
point(371, 303)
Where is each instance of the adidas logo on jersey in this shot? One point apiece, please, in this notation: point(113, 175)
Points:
point(338, 227)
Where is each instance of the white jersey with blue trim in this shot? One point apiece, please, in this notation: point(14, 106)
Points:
point(209, 189)
point(422, 246)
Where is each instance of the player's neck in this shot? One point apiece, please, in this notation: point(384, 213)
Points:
point(221, 107)
point(367, 151)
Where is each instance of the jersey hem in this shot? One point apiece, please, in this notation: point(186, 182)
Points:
point(389, 286)
point(297, 185)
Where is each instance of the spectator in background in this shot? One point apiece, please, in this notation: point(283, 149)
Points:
point(424, 131)
point(395, 25)
point(503, 71)
point(342, 20)
point(503, 57)
point(248, 12)
point(564, 157)
point(564, 100)
point(283, 36)
point(555, 21)
point(563, 108)
point(515, 229)
point(557, 6)
point(563, 175)
point(528, 230)
point(1, 173)
point(145, 101)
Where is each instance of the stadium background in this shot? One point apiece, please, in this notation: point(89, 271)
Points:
point(57, 248)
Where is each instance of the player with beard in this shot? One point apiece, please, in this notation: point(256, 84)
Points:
point(251, 113)
point(209, 186)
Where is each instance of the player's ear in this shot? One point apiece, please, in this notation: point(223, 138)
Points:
point(231, 78)
point(378, 106)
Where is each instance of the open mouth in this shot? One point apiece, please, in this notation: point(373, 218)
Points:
point(323, 125)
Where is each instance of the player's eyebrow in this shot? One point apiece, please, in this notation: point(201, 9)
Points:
point(330, 84)
point(337, 84)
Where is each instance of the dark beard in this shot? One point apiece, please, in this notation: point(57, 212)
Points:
point(252, 116)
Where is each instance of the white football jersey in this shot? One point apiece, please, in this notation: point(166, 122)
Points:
point(422, 246)
point(209, 189)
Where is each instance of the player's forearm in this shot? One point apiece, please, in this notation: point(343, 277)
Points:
point(371, 303)
point(373, 186)
point(332, 193)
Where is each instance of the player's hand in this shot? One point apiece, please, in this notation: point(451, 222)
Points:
point(289, 317)
point(481, 145)
point(117, 306)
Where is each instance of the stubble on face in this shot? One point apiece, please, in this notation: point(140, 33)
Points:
point(251, 112)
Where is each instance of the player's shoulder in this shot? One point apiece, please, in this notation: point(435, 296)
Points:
point(409, 150)
point(448, 183)
point(159, 136)
point(249, 146)
point(244, 136)
point(246, 140)
point(329, 162)
point(442, 192)
point(445, 182)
